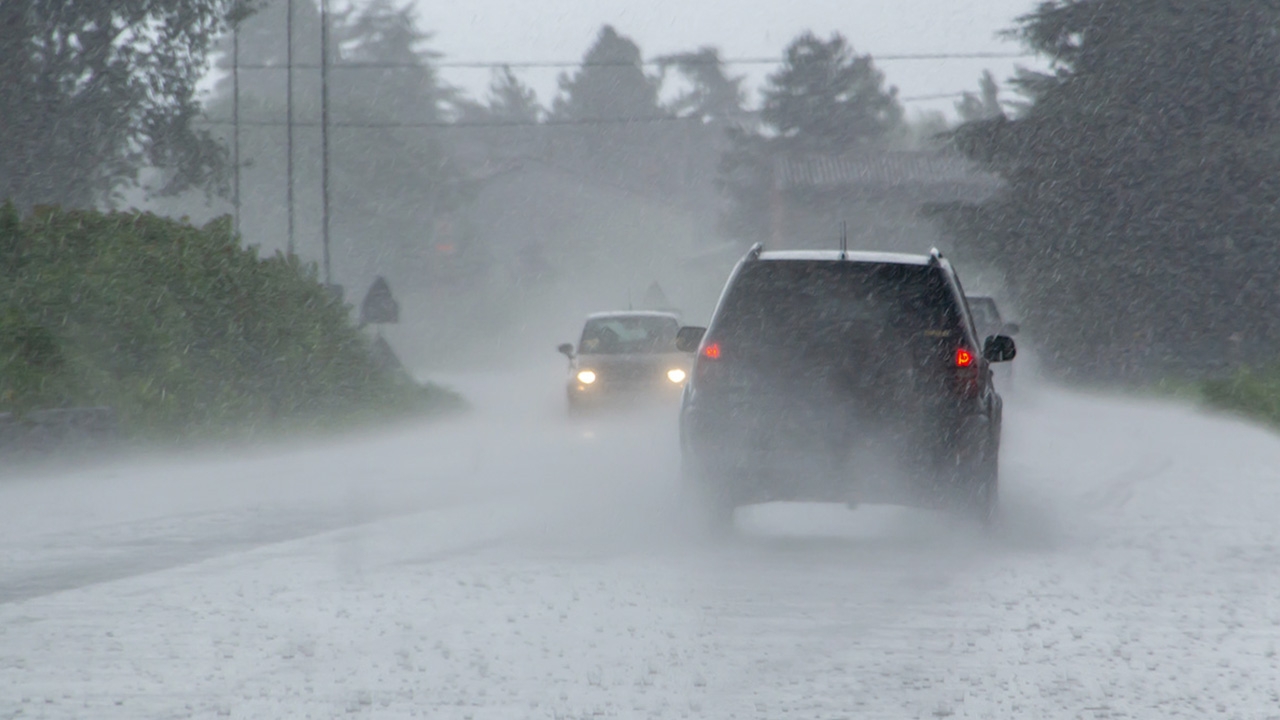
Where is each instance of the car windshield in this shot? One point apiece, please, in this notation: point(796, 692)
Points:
point(985, 314)
point(629, 335)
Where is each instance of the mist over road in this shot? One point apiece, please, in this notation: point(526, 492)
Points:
point(513, 564)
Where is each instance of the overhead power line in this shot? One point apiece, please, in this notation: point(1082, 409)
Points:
point(722, 61)
point(528, 64)
point(466, 124)
point(551, 122)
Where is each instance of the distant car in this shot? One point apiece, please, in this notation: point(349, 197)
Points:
point(842, 377)
point(625, 358)
point(986, 317)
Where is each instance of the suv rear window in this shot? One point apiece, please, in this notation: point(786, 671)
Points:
point(787, 303)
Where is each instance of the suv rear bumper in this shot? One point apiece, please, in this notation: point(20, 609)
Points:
point(754, 457)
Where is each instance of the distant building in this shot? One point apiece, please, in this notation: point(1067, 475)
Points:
point(879, 194)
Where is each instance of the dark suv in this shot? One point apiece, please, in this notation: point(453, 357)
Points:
point(842, 377)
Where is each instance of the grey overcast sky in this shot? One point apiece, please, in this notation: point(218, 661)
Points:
point(554, 30)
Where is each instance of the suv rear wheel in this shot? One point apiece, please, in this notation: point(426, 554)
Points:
point(977, 481)
point(983, 502)
point(708, 501)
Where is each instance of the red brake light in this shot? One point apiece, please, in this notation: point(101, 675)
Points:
point(964, 358)
point(712, 351)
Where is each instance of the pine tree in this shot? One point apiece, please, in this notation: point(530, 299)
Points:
point(826, 99)
point(984, 105)
point(713, 94)
point(391, 172)
point(397, 78)
point(1143, 181)
point(511, 100)
point(611, 85)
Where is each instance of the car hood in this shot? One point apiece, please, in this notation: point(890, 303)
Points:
point(635, 362)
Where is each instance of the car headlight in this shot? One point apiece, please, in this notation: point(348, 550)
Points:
point(586, 377)
point(676, 375)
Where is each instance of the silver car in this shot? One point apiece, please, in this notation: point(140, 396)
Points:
point(625, 358)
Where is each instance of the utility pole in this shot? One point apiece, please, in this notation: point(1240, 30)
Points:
point(235, 122)
point(288, 103)
point(324, 135)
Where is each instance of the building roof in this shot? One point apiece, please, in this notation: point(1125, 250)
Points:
point(941, 176)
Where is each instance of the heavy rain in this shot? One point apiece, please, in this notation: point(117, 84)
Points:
point(550, 359)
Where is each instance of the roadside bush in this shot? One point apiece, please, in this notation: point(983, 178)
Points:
point(178, 328)
point(1251, 393)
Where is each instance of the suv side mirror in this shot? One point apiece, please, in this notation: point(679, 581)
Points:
point(566, 349)
point(1010, 329)
point(688, 338)
point(999, 348)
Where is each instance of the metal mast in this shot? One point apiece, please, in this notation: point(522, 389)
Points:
point(288, 24)
point(324, 133)
point(235, 122)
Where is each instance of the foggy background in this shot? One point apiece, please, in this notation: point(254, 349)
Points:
point(497, 240)
point(559, 29)
point(1114, 185)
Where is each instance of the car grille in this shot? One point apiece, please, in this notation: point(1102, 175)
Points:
point(633, 375)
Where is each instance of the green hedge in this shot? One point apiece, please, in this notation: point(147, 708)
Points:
point(178, 328)
point(1253, 393)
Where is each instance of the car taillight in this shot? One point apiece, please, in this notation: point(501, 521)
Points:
point(966, 382)
point(708, 365)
